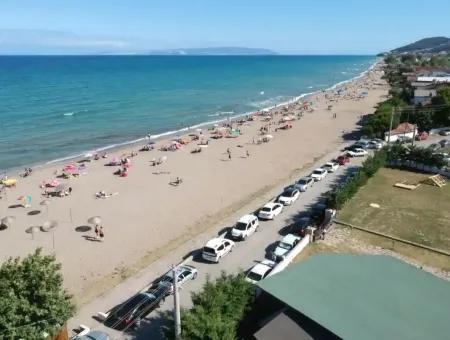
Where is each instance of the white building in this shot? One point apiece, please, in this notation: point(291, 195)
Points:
point(402, 131)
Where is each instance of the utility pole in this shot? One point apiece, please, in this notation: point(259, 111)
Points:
point(415, 126)
point(390, 124)
point(176, 305)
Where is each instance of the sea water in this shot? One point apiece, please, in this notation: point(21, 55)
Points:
point(53, 107)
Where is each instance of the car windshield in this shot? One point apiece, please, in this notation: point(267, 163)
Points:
point(254, 276)
point(317, 172)
point(302, 181)
point(209, 250)
point(266, 209)
point(288, 193)
point(131, 304)
point(284, 245)
point(241, 226)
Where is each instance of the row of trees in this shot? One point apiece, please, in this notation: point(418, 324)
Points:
point(425, 156)
point(337, 197)
point(217, 310)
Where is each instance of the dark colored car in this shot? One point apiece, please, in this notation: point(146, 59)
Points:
point(444, 143)
point(134, 309)
point(343, 159)
point(299, 228)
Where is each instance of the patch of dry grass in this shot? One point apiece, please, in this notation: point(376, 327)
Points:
point(421, 215)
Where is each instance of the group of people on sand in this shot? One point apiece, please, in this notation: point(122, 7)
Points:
point(99, 233)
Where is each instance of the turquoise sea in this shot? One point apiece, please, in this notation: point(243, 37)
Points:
point(52, 107)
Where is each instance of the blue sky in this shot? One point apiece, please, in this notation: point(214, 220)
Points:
point(286, 26)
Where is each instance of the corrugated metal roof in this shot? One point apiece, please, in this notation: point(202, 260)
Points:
point(366, 297)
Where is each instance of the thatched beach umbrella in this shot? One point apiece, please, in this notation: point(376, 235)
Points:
point(50, 226)
point(7, 220)
point(96, 220)
point(32, 231)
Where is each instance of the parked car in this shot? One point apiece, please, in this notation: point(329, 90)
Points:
point(363, 144)
point(246, 226)
point(137, 307)
point(331, 166)
point(289, 196)
point(92, 335)
point(375, 144)
point(404, 139)
point(343, 159)
point(422, 136)
point(444, 143)
point(434, 146)
point(357, 153)
point(445, 132)
point(319, 174)
point(184, 273)
point(270, 211)
point(304, 183)
point(260, 271)
point(284, 247)
point(217, 248)
point(299, 227)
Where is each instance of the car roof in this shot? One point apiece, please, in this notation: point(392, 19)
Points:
point(262, 267)
point(247, 218)
point(270, 204)
point(319, 169)
point(306, 178)
point(289, 238)
point(330, 163)
point(214, 243)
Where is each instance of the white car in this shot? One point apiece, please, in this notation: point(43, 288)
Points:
point(284, 247)
point(246, 226)
point(375, 144)
point(270, 210)
point(217, 248)
point(304, 183)
point(184, 273)
point(289, 196)
point(260, 271)
point(331, 166)
point(357, 152)
point(319, 174)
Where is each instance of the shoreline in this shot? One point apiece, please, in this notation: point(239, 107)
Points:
point(121, 146)
point(148, 215)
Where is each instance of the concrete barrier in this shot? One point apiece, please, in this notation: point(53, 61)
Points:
point(291, 255)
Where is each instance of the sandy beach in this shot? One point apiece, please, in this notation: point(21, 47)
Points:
point(147, 217)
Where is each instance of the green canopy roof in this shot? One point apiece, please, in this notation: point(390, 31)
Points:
point(366, 296)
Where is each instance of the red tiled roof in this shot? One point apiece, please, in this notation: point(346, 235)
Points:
point(403, 128)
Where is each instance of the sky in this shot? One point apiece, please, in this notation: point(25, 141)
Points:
point(285, 26)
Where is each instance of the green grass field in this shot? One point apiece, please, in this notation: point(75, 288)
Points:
point(421, 215)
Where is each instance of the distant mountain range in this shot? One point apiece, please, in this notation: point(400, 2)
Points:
point(427, 45)
point(214, 51)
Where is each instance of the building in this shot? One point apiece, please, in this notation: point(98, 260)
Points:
point(340, 296)
point(403, 131)
point(424, 95)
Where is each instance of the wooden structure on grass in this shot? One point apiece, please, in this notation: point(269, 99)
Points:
point(406, 185)
point(436, 180)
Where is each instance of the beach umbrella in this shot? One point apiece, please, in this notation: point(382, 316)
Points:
point(32, 231)
point(7, 220)
point(49, 225)
point(95, 220)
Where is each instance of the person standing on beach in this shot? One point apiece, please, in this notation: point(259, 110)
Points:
point(96, 232)
point(101, 233)
point(247, 153)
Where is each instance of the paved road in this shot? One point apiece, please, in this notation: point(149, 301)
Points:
point(243, 257)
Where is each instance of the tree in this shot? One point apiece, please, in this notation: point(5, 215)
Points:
point(32, 299)
point(217, 310)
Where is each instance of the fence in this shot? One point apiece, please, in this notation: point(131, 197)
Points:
point(419, 167)
point(291, 255)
